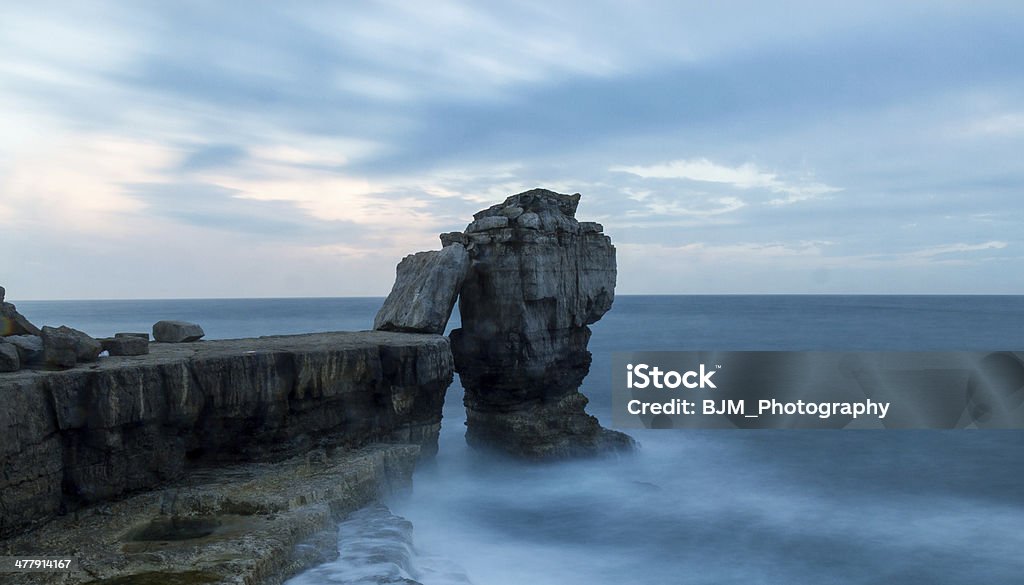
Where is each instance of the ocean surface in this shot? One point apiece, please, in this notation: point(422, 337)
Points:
point(692, 507)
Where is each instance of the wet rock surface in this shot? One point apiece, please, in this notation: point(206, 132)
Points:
point(77, 437)
point(241, 524)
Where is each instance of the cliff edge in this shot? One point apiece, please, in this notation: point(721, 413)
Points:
point(78, 437)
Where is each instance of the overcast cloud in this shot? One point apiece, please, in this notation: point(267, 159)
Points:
point(241, 149)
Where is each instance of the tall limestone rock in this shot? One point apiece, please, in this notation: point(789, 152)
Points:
point(529, 279)
point(537, 279)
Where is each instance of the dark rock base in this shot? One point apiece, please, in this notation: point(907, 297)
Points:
point(557, 429)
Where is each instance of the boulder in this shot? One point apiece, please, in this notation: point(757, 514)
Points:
point(30, 347)
point(450, 238)
point(526, 304)
point(9, 359)
point(139, 335)
point(3, 293)
point(85, 348)
point(512, 212)
point(60, 348)
point(126, 345)
point(426, 286)
point(13, 323)
point(177, 332)
point(529, 221)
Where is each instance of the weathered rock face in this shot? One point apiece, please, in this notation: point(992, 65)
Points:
point(10, 361)
point(87, 435)
point(85, 347)
point(60, 349)
point(241, 524)
point(30, 347)
point(536, 280)
point(425, 290)
point(177, 331)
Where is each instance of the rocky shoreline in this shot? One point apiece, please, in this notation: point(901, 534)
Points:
point(230, 461)
point(251, 524)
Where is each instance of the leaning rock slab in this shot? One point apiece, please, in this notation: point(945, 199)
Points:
point(425, 290)
point(177, 332)
point(87, 349)
point(14, 323)
point(64, 346)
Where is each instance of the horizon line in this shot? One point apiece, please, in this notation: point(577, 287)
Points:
point(381, 297)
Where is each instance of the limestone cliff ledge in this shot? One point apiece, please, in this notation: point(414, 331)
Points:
point(125, 424)
point(247, 524)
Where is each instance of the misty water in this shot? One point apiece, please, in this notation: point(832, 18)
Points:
point(691, 507)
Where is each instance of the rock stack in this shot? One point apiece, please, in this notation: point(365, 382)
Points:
point(536, 278)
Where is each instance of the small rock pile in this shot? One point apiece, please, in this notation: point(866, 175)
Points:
point(22, 344)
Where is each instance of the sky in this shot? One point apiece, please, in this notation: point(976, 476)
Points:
point(293, 149)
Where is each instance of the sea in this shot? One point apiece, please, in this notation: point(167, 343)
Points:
point(742, 507)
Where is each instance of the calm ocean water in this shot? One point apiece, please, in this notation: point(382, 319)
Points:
point(693, 507)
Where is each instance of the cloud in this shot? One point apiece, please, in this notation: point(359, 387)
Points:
point(957, 248)
point(212, 156)
point(1005, 124)
point(701, 169)
point(745, 176)
point(216, 207)
point(317, 133)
